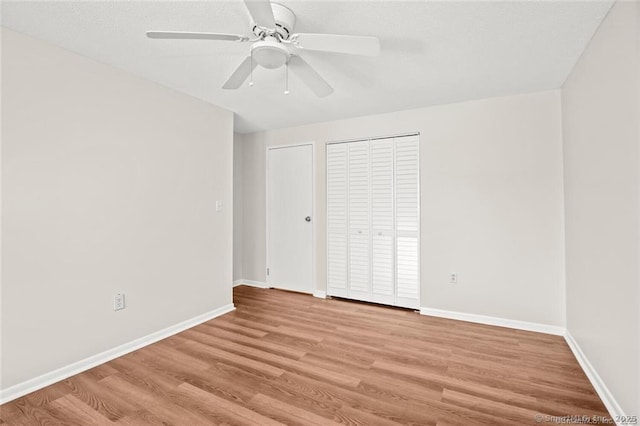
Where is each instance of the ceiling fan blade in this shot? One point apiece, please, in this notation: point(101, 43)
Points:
point(261, 13)
point(195, 36)
point(310, 77)
point(240, 74)
point(353, 45)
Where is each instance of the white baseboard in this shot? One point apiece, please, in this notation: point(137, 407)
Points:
point(500, 322)
point(615, 411)
point(321, 294)
point(251, 283)
point(31, 385)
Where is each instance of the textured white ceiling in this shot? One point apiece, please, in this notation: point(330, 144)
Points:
point(433, 52)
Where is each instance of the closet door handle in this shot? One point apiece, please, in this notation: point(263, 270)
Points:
point(308, 218)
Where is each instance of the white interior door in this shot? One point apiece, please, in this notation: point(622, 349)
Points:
point(359, 220)
point(407, 190)
point(382, 223)
point(337, 222)
point(290, 218)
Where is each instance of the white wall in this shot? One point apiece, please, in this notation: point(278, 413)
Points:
point(238, 203)
point(601, 132)
point(491, 194)
point(254, 209)
point(109, 185)
point(1, 221)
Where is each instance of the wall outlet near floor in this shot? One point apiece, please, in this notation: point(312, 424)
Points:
point(219, 205)
point(118, 301)
point(453, 277)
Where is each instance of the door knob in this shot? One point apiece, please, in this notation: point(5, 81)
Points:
point(308, 218)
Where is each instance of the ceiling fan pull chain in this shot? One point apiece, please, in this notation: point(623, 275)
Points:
point(286, 89)
point(251, 73)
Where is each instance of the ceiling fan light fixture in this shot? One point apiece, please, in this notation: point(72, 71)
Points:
point(269, 53)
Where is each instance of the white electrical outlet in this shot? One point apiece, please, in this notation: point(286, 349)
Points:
point(453, 277)
point(118, 301)
point(219, 205)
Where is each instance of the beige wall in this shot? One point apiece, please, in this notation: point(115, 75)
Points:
point(1, 221)
point(109, 185)
point(238, 203)
point(253, 220)
point(491, 194)
point(601, 114)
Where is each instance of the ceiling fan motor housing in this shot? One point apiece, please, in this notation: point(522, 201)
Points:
point(285, 21)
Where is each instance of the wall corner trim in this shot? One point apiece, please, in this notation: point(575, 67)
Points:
point(46, 379)
point(500, 322)
point(258, 284)
point(320, 294)
point(615, 411)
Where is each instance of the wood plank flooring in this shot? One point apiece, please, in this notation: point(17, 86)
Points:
point(287, 358)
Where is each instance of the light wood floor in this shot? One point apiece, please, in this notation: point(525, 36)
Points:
point(289, 358)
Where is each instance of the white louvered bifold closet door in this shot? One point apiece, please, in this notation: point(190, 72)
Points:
point(337, 229)
point(382, 223)
point(359, 220)
point(373, 221)
point(407, 198)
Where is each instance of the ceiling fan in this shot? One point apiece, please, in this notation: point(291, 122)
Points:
point(275, 45)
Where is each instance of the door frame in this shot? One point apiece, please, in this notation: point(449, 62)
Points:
point(314, 289)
